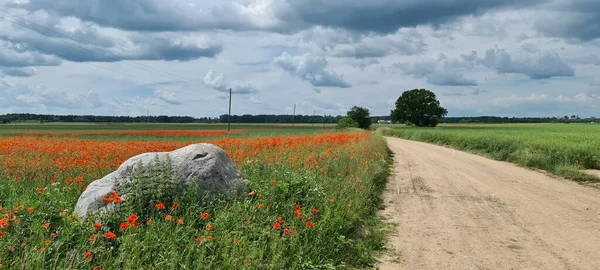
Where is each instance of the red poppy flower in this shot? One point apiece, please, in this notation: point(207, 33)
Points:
point(276, 226)
point(40, 191)
point(175, 205)
point(315, 211)
point(273, 182)
point(286, 231)
point(46, 225)
point(260, 206)
point(205, 216)
point(87, 255)
point(309, 224)
point(124, 226)
point(160, 206)
point(180, 221)
point(168, 218)
point(297, 207)
point(92, 238)
point(209, 227)
point(97, 225)
point(132, 218)
point(252, 193)
point(110, 236)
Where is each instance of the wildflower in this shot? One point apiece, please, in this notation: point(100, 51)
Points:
point(296, 213)
point(280, 220)
point(40, 191)
point(124, 226)
point(92, 238)
point(83, 188)
point(309, 224)
point(205, 216)
point(209, 227)
point(42, 250)
point(175, 205)
point(69, 181)
point(252, 193)
point(107, 200)
point(30, 210)
point(210, 238)
point(362, 187)
point(11, 249)
point(297, 207)
point(4, 223)
point(276, 226)
point(132, 218)
point(148, 222)
point(160, 206)
point(78, 180)
point(286, 231)
point(110, 236)
point(17, 180)
point(180, 221)
point(260, 206)
point(315, 211)
point(46, 225)
point(1, 235)
point(135, 224)
point(331, 201)
point(97, 225)
point(198, 239)
point(53, 182)
point(260, 196)
point(301, 217)
point(22, 244)
point(273, 182)
point(53, 235)
point(237, 241)
point(47, 242)
point(168, 218)
point(97, 267)
point(87, 255)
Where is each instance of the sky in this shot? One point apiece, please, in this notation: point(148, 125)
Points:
point(533, 58)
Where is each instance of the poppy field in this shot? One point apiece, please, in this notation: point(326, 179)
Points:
point(310, 203)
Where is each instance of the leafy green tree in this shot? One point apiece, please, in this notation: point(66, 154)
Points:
point(347, 122)
point(419, 107)
point(361, 116)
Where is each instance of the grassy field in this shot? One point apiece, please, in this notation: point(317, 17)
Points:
point(561, 149)
point(310, 203)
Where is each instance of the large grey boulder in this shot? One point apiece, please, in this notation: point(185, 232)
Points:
point(205, 164)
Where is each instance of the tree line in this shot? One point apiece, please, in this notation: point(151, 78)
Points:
point(270, 119)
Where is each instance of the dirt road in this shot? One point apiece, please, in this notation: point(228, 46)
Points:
point(455, 210)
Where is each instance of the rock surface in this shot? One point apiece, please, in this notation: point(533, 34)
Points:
point(206, 164)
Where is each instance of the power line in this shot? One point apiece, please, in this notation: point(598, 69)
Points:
point(139, 65)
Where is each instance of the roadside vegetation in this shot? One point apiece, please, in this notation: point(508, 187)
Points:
point(311, 202)
point(562, 150)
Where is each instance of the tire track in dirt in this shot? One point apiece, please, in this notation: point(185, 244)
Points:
point(454, 210)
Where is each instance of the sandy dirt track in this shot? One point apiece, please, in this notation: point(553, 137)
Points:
point(454, 210)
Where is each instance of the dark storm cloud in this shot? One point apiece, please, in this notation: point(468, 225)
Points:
point(14, 54)
point(382, 16)
point(546, 66)
point(572, 19)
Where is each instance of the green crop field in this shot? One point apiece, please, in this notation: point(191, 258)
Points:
point(310, 203)
point(561, 149)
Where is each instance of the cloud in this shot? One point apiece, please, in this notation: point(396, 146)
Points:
point(19, 72)
point(284, 16)
point(317, 90)
point(218, 83)
point(578, 20)
point(255, 100)
point(14, 54)
point(474, 92)
point(530, 47)
point(581, 99)
point(441, 71)
point(73, 40)
point(545, 66)
point(29, 96)
point(312, 69)
point(168, 97)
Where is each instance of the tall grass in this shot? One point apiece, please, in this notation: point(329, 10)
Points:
point(560, 149)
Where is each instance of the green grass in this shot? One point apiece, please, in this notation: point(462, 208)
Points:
point(561, 149)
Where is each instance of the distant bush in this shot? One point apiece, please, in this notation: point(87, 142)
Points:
point(347, 122)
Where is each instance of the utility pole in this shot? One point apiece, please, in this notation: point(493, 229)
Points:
point(229, 115)
point(294, 116)
point(147, 116)
point(314, 114)
point(324, 119)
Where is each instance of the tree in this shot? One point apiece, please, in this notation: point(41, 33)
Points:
point(361, 116)
point(347, 122)
point(419, 107)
